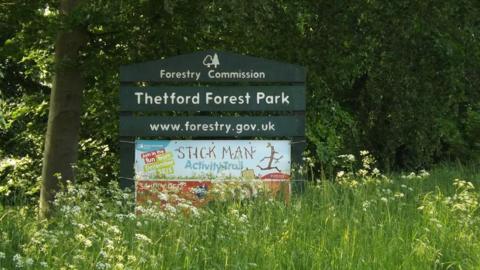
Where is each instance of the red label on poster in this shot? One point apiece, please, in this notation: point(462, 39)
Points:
point(160, 191)
point(277, 176)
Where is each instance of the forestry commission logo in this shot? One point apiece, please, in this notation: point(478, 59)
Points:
point(210, 60)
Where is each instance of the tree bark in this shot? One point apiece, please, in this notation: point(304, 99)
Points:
point(60, 153)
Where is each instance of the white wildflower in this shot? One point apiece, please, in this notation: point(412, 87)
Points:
point(114, 229)
point(109, 244)
point(462, 184)
point(362, 172)
point(102, 266)
point(142, 237)
point(183, 206)
point(235, 212)
point(365, 205)
point(87, 242)
point(423, 173)
point(412, 175)
point(170, 208)
point(80, 237)
point(460, 207)
point(131, 258)
point(349, 157)
point(29, 261)
point(194, 211)
point(353, 183)
point(103, 254)
point(243, 218)
point(76, 209)
point(18, 260)
point(78, 257)
point(163, 196)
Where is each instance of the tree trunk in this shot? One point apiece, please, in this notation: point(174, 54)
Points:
point(65, 108)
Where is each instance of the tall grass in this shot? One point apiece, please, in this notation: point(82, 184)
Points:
point(363, 220)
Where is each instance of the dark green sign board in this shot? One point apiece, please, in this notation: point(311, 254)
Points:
point(210, 81)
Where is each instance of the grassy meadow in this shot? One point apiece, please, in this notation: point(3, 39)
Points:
point(360, 220)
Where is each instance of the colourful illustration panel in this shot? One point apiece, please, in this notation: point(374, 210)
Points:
point(201, 170)
point(212, 160)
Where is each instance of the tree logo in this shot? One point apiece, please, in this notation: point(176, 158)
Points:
point(210, 60)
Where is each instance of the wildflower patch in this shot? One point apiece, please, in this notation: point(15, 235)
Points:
point(172, 192)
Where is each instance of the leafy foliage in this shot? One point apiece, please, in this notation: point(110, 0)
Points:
point(398, 78)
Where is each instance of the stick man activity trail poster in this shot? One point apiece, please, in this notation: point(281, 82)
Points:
point(194, 167)
point(212, 160)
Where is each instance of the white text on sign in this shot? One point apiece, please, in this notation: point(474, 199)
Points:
point(209, 98)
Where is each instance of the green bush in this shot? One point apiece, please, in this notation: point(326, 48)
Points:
point(382, 76)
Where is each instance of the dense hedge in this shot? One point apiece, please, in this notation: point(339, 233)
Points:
point(399, 78)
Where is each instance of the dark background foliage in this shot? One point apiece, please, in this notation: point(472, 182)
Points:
point(398, 78)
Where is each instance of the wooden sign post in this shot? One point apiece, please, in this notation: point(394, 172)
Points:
point(207, 95)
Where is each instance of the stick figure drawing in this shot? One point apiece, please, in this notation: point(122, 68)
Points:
point(271, 158)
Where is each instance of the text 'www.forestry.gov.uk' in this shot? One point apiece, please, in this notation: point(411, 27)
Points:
point(213, 127)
